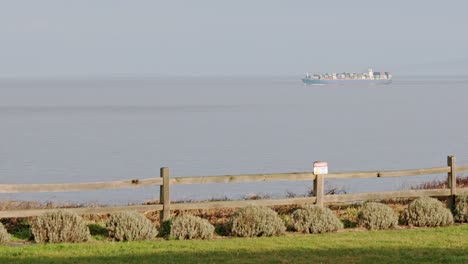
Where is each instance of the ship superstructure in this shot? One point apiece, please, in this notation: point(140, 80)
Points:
point(369, 77)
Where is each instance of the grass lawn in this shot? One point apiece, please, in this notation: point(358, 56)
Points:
point(434, 245)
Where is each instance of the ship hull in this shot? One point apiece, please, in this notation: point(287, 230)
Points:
point(345, 82)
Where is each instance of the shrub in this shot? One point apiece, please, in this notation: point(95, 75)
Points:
point(165, 228)
point(59, 226)
point(377, 216)
point(129, 226)
point(426, 211)
point(349, 217)
point(98, 231)
point(222, 229)
point(191, 227)
point(315, 219)
point(461, 208)
point(287, 221)
point(254, 221)
point(22, 230)
point(4, 236)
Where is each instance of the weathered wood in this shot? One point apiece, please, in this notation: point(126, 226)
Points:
point(73, 187)
point(296, 176)
point(342, 198)
point(164, 182)
point(236, 204)
point(384, 195)
point(355, 174)
point(462, 168)
point(164, 199)
point(389, 173)
point(415, 172)
point(319, 186)
point(83, 210)
point(69, 187)
point(452, 181)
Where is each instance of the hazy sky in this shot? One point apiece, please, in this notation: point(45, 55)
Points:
point(151, 38)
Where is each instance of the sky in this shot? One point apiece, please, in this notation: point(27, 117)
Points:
point(227, 38)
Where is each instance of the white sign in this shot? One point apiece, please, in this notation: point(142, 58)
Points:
point(320, 167)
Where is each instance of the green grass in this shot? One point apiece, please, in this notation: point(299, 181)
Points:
point(425, 245)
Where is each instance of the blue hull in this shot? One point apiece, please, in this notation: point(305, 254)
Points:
point(345, 82)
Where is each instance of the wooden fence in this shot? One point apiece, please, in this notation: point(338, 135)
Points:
point(164, 181)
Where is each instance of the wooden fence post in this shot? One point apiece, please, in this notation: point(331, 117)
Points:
point(319, 189)
point(164, 195)
point(452, 181)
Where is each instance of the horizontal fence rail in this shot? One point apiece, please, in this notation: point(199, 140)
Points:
point(73, 187)
point(389, 173)
point(164, 181)
point(295, 176)
point(385, 195)
point(462, 169)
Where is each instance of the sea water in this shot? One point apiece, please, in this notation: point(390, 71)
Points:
point(97, 129)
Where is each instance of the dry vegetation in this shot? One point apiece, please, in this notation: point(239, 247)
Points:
point(191, 227)
point(462, 182)
point(347, 213)
point(130, 226)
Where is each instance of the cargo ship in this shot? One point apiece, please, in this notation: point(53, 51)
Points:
point(368, 78)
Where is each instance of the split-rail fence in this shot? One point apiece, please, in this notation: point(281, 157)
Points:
point(319, 198)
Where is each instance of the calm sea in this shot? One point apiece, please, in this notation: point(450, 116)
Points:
point(54, 131)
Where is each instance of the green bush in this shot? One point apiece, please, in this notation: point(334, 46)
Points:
point(254, 221)
point(222, 229)
point(165, 228)
point(350, 216)
point(287, 221)
point(191, 227)
point(315, 219)
point(22, 230)
point(461, 208)
point(426, 211)
point(377, 216)
point(59, 226)
point(129, 226)
point(98, 231)
point(4, 236)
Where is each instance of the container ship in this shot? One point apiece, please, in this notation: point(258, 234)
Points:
point(368, 78)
